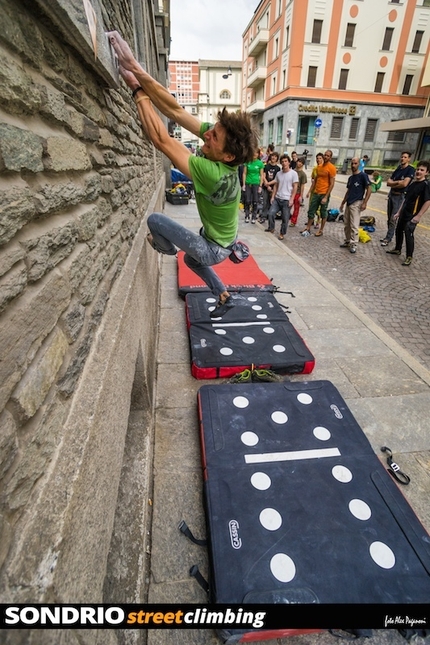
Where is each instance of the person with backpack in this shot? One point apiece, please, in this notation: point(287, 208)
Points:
point(357, 195)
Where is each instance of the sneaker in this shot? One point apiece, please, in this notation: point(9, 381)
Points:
point(345, 245)
point(292, 224)
point(280, 236)
point(353, 249)
point(262, 220)
point(222, 308)
point(316, 225)
point(247, 219)
point(383, 239)
point(385, 242)
point(407, 262)
point(305, 233)
point(393, 252)
point(253, 221)
point(269, 230)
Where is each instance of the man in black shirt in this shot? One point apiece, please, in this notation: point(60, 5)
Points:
point(415, 205)
point(398, 182)
point(356, 197)
point(270, 171)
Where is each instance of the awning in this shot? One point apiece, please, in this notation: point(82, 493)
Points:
point(405, 125)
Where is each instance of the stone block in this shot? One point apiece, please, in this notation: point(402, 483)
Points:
point(17, 91)
point(68, 382)
point(54, 54)
point(53, 106)
point(25, 325)
point(93, 187)
point(55, 197)
point(46, 251)
point(73, 321)
point(86, 224)
point(38, 379)
point(62, 153)
point(78, 265)
point(20, 149)
point(8, 441)
point(90, 285)
point(21, 32)
point(12, 284)
point(36, 457)
point(104, 212)
point(91, 130)
point(105, 138)
point(10, 256)
point(16, 209)
point(75, 121)
point(5, 538)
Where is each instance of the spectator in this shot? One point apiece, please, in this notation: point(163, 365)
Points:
point(375, 181)
point(363, 163)
point(414, 206)
point(398, 182)
point(270, 171)
point(293, 160)
point(284, 191)
point(322, 187)
point(356, 197)
point(299, 196)
point(252, 181)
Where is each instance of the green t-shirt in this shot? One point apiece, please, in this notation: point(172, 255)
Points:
point(253, 171)
point(217, 192)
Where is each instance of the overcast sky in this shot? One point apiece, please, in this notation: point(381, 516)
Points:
point(209, 29)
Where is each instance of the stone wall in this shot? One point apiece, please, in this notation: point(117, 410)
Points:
point(78, 296)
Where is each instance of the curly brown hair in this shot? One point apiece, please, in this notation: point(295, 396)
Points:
point(241, 139)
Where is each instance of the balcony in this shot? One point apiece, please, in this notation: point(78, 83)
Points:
point(258, 43)
point(257, 77)
point(257, 106)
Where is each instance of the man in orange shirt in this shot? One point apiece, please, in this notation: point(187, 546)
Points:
point(322, 185)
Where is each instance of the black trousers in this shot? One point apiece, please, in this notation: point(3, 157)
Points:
point(405, 228)
point(251, 199)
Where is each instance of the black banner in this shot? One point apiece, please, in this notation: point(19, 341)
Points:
point(286, 618)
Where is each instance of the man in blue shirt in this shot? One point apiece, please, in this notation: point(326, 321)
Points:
point(398, 182)
point(357, 195)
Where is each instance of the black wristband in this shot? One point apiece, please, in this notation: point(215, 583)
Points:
point(135, 91)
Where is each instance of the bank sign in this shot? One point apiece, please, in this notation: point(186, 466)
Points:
point(332, 109)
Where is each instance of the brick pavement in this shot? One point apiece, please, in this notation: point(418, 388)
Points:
point(397, 298)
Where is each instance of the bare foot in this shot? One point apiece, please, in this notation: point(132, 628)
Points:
point(125, 55)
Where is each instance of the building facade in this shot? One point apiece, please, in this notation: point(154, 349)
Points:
point(203, 88)
point(326, 73)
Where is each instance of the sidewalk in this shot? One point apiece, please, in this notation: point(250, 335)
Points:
point(386, 389)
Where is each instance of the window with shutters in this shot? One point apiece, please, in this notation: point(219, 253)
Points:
point(417, 42)
point(279, 128)
point(386, 45)
point(312, 76)
point(407, 84)
point(336, 127)
point(396, 137)
point(343, 78)
point(370, 132)
point(353, 129)
point(316, 31)
point(379, 81)
point(270, 130)
point(349, 36)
